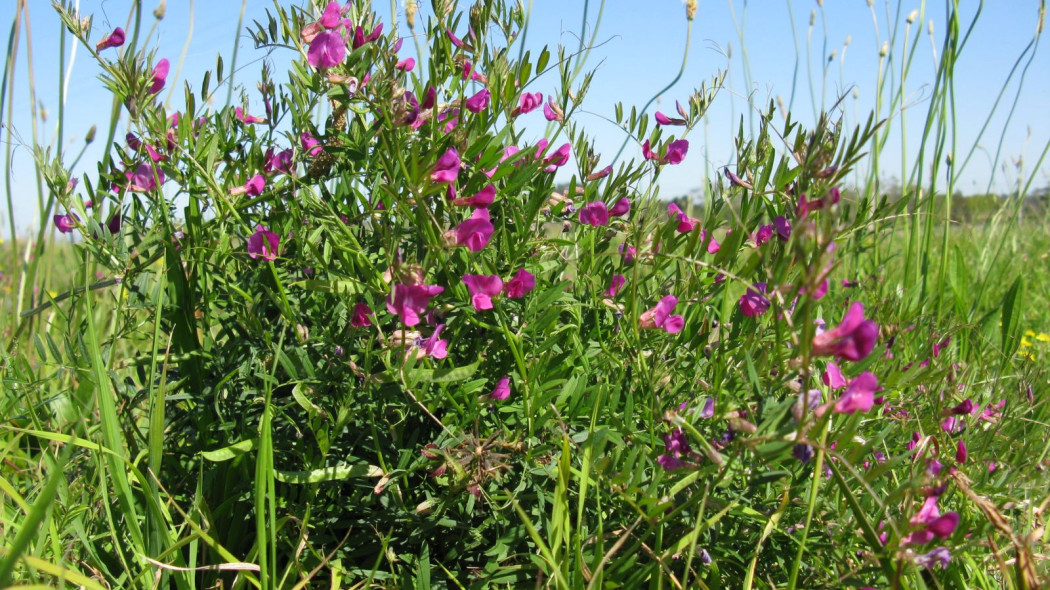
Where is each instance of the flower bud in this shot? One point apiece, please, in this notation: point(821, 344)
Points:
point(162, 8)
point(90, 137)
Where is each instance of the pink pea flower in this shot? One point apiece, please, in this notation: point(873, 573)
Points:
point(474, 232)
point(621, 208)
point(676, 151)
point(145, 178)
point(502, 390)
point(114, 39)
point(263, 243)
point(409, 302)
point(752, 303)
point(559, 158)
point(662, 119)
point(455, 40)
point(963, 409)
point(332, 16)
point(677, 448)
point(528, 103)
point(763, 235)
point(483, 198)
point(278, 162)
point(446, 169)
point(65, 223)
point(361, 316)
point(327, 49)
point(310, 144)
point(782, 227)
point(627, 252)
point(939, 557)
point(482, 289)
point(594, 213)
point(434, 346)
point(660, 316)
point(133, 141)
point(520, 285)
point(159, 76)
point(960, 452)
point(833, 377)
point(245, 118)
point(360, 38)
point(600, 173)
point(712, 246)
point(859, 394)
point(549, 113)
point(685, 223)
point(853, 339)
point(253, 188)
point(617, 283)
point(406, 65)
point(479, 101)
point(952, 425)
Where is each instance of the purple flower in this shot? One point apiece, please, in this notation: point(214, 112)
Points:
point(482, 289)
point(361, 316)
point(159, 76)
point(685, 223)
point(833, 377)
point(783, 228)
point(621, 207)
point(310, 144)
point(939, 557)
point(660, 316)
point(960, 452)
point(502, 390)
point(114, 39)
point(617, 283)
point(627, 252)
point(853, 339)
point(662, 119)
point(764, 234)
point(802, 452)
point(708, 410)
point(676, 446)
point(475, 231)
point(964, 408)
point(594, 213)
point(409, 302)
point(527, 103)
point(327, 49)
point(520, 285)
point(859, 394)
point(245, 118)
point(65, 223)
point(405, 65)
point(551, 111)
point(145, 178)
point(483, 198)
point(434, 346)
point(559, 158)
point(753, 303)
point(332, 16)
point(278, 162)
point(263, 243)
point(479, 101)
point(676, 151)
point(253, 188)
point(446, 169)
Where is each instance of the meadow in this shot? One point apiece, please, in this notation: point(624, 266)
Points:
point(367, 328)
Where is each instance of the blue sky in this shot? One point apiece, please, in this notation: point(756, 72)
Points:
point(640, 51)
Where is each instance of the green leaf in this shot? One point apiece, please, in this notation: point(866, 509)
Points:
point(230, 452)
point(444, 375)
point(334, 473)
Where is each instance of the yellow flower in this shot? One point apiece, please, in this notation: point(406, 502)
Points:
point(1025, 343)
point(1043, 337)
point(1029, 333)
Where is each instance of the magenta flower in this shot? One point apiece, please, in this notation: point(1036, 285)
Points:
point(475, 231)
point(482, 289)
point(455, 40)
point(559, 158)
point(660, 316)
point(677, 448)
point(685, 223)
point(252, 188)
point(552, 112)
point(159, 76)
point(434, 346)
point(952, 425)
point(600, 173)
point(763, 235)
point(502, 390)
point(662, 119)
point(782, 227)
point(627, 252)
point(332, 16)
point(360, 39)
point(594, 213)
point(446, 169)
point(65, 223)
point(752, 303)
point(245, 118)
point(621, 208)
point(833, 377)
point(114, 39)
point(361, 316)
point(939, 557)
point(263, 243)
point(409, 302)
point(483, 198)
point(479, 101)
point(310, 144)
point(405, 65)
point(520, 285)
point(859, 394)
point(852, 340)
point(964, 408)
point(617, 283)
point(145, 178)
point(528, 102)
point(676, 151)
point(708, 409)
point(278, 162)
point(960, 452)
point(327, 49)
